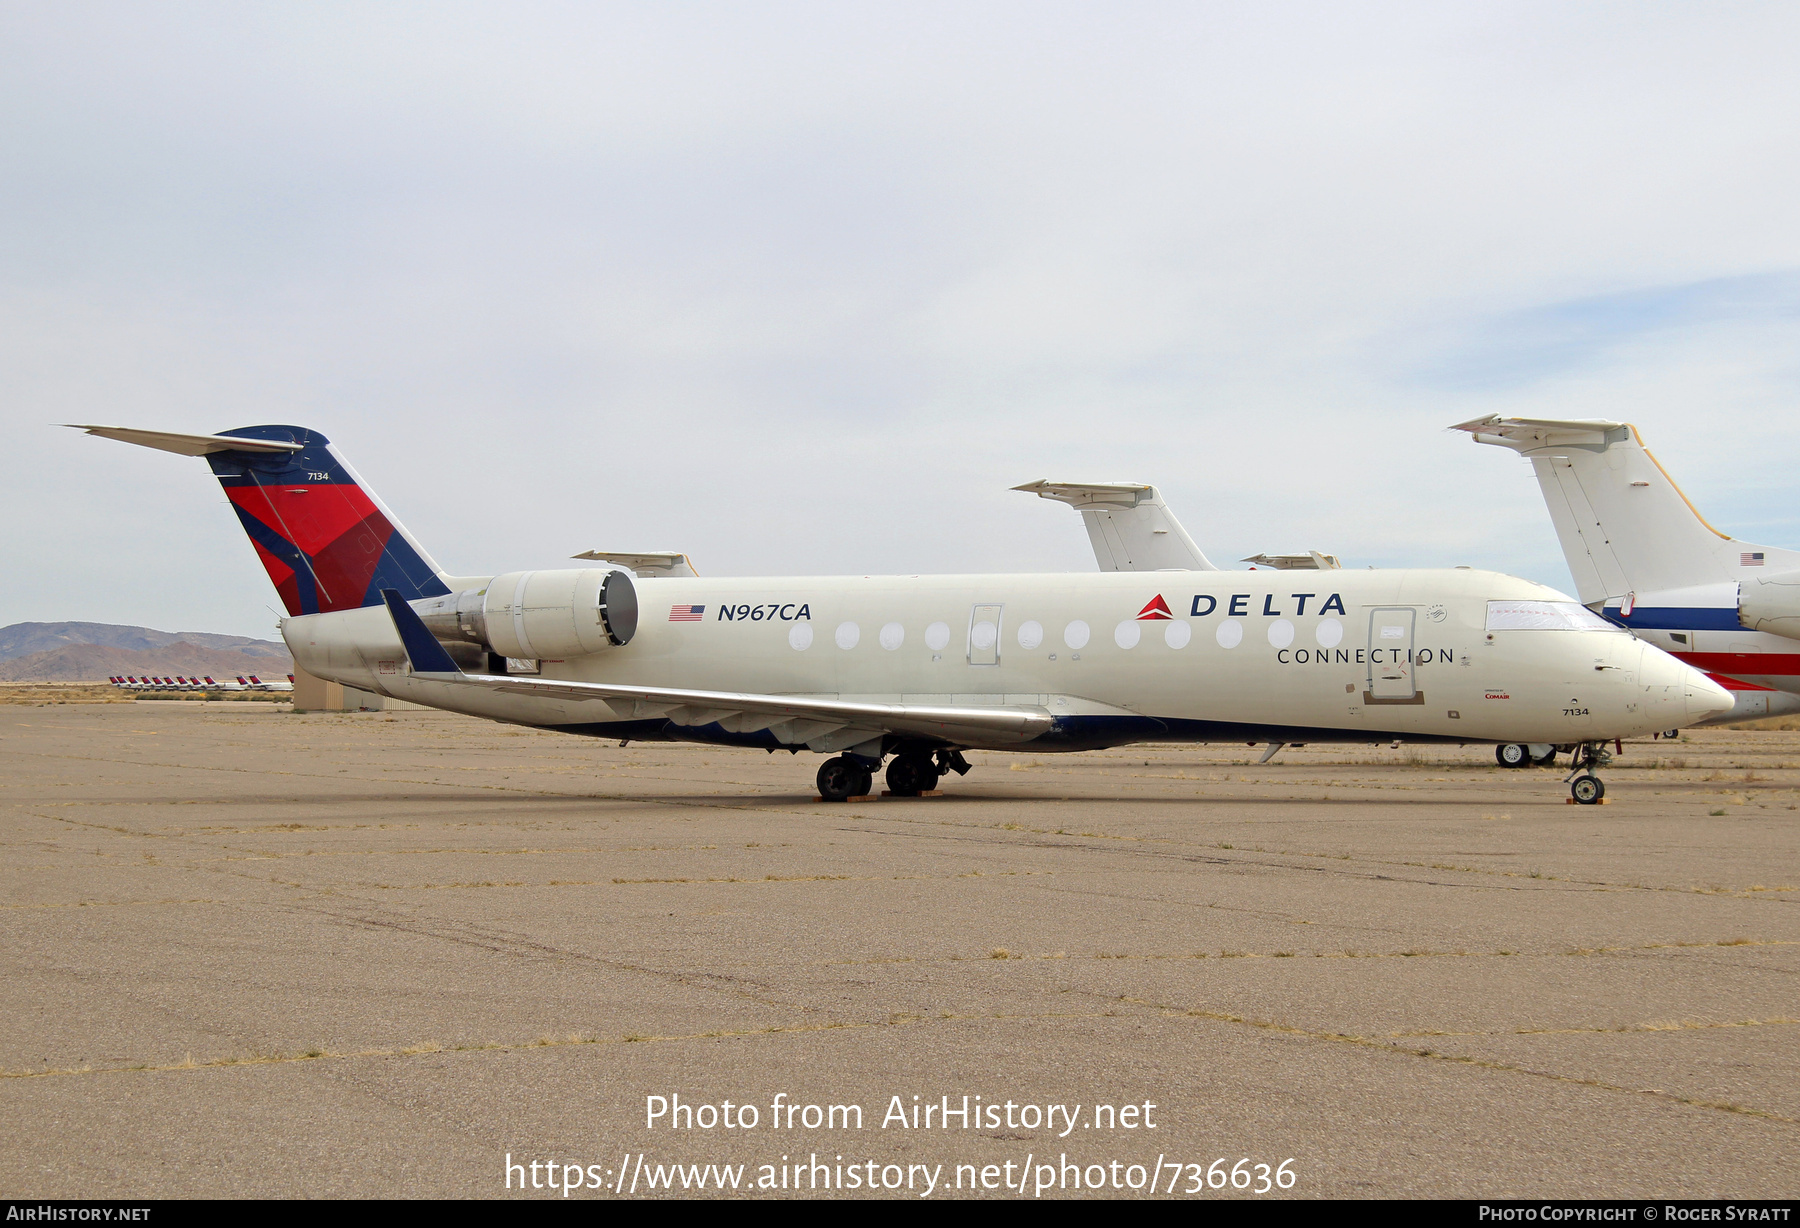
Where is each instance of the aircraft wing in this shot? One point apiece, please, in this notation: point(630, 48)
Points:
point(819, 724)
point(1130, 526)
point(1312, 560)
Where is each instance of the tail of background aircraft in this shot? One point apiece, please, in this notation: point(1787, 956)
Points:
point(1642, 556)
point(1627, 531)
point(326, 541)
point(1130, 527)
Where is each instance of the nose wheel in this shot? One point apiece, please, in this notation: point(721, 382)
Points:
point(1585, 788)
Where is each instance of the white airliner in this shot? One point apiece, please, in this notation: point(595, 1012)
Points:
point(914, 670)
point(1643, 556)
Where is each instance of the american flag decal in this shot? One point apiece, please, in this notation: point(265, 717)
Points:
point(1748, 559)
point(686, 613)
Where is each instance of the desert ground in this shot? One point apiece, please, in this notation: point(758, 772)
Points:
point(249, 952)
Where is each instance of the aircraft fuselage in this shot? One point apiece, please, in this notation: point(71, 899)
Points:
point(1255, 656)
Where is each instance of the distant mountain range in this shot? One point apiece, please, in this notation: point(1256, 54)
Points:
point(82, 652)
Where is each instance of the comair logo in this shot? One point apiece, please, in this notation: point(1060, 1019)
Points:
point(1156, 611)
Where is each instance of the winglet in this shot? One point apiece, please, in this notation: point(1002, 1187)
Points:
point(423, 652)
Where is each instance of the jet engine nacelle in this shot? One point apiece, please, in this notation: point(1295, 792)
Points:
point(1771, 603)
point(538, 614)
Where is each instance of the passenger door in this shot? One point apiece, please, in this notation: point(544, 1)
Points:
point(1391, 656)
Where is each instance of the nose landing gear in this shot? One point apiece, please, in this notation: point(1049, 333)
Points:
point(1585, 788)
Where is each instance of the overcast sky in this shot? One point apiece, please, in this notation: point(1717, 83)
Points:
point(805, 288)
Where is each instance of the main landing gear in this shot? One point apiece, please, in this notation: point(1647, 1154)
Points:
point(843, 777)
point(1520, 754)
point(913, 771)
point(1585, 788)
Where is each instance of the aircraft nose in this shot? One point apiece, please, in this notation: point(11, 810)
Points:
point(1686, 695)
point(1706, 698)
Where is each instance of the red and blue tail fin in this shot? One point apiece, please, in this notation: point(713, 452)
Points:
point(325, 540)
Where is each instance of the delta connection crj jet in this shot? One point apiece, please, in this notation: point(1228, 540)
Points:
point(914, 670)
point(1644, 558)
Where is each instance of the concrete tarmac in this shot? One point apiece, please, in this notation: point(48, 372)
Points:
point(249, 952)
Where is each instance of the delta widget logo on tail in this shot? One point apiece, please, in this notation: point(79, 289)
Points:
point(1156, 611)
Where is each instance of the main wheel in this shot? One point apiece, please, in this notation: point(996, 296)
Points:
point(911, 775)
point(1587, 790)
point(1544, 760)
point(865, 780)
point(1512, 754)
point(840, 778)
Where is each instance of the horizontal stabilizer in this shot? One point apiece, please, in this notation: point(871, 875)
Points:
point(648, 563)
point(186, 445)
point(1089, 494)
point(1312, 560)
point(1529, 434)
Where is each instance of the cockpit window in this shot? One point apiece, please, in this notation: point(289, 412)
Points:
point(1544, 616)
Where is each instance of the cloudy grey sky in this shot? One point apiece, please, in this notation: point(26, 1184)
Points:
point(804, 288)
